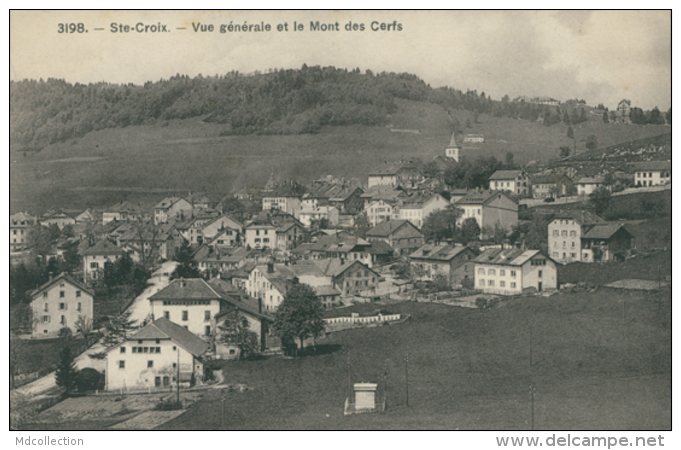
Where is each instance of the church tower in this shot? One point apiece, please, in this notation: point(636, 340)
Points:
point(453, 150)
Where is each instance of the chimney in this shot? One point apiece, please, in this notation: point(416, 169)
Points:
point(270, 267)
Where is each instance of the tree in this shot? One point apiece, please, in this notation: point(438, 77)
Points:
point(89, 379)
point(361, 226)
point(470, 231)
point(84, 327)
point(116, 331)
point(600, 199)
point(188, 267)
point(39, 241)
point(605, 117)
point(299, 315)
point(570, 133)
point(564, 151)
point(65, 375)
point(235, 331)
point(430, 170)
point(668, 115)
point(591, 142)
point(509, 160)
point(441, 225)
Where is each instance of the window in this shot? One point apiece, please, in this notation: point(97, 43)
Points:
point(134, 349)
point(123, 349)
point(206, 315)
point(121, 364)
point(207, 330)
point(513, 273)
point(556, 233)
point(512, 285)
point(166, 314)
point(62, 294)
point(44, 294)
point(482, 282)
point(573, 233)
point(46, 319)
point(94, 265)
point(45, 308)
point(150, 364)
point(62, 306)
point(491, 272)
point(539, 274)
point(490, 282)
point(502, 272)
point(564, 233)
point(79, 307)
point(185, 315)
point(502, 284)
point(62, 320)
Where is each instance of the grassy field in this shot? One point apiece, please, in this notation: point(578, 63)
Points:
point(600, 360)
point(146, 162)
point(644, 267)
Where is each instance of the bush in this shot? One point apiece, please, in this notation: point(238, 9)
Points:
point(168, 405)
point(89, 379)
point(481, 302)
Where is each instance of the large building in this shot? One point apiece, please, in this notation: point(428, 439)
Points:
point(19, 227)
point(402, 235)
point(395, 173)
point(58, 304)
point(418, 207)
point(653, 173)
point(95, 257)
point(514, 271)
point(551, 185)
point(489, 209)
point(581, 236)
point(154, 357)
point(171, 208)
point(514, 181)
point(451, 261)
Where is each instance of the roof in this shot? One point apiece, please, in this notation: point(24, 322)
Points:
point(605, 231)
point(591, 180)
point(481, 197)
point(452, 141)
point(506, 257)
point(126, 206)
point(21, 217)
point(419, 200)
point(62, 276)
point(654, 165)
point(388, 227)
point(103, 247)
point(167, 202)
point(391, 168)
point(506, 174)
point(326, 290)
point(335, 267)
point(287, 190)
point(442, 252)
point(226, 222)
point(380, 248)
point(550, 178)
point(165, 329)
point(187, 288)
point(582, 217)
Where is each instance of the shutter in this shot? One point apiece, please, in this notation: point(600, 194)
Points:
point(66, 306)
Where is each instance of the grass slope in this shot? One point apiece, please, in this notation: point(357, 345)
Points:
point(600, 361)
point(142, 162)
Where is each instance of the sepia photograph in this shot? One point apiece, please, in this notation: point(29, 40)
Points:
point(341, 220)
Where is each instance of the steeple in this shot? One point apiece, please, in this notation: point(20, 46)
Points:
point(453, 150)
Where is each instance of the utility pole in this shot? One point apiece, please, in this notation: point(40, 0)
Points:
point(385, 384)
point(178, 375)
point(531, 380)
point(406, 376)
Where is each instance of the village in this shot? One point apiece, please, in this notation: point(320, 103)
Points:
point(212, 272)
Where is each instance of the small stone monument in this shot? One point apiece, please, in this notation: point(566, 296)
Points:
point(365, 399)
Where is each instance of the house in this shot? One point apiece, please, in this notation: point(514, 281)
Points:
point(20, 225)
point(286, 197)
point(309, 215)
point(343, 197)
point(154, 357)
point(581, 236)
point(653, 173)
point(258, 322)
point(95, 257)
point(336, 246)
point(402, 235)
point(58, 304)
point(514, 181)
point(171, 208)
point(514, 271)
point(551, 185)
point(586, 185)
point(474, 138)
point(58, 218)
point(189, 302)
point(418, 207)
point(489, 208)
point(395, 173)
point(273, 229)
point(624, 111)
point(124, 211)
point(150, 243)
point(222, 228)
point(451, 261)
point(379, 211)
point(192, 227)
point(220, 259)
point(453, 150)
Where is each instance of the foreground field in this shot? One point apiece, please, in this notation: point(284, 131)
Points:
point(600, 360)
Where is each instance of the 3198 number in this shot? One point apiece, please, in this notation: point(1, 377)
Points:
point(71, 28)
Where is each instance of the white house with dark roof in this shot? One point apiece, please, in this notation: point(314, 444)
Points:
point(58, 304)
point(170, 208)
point(286, 197)
point(58, 218)
point(488, 208)
point(223, 226)
point(418, 207)
point(402, 235)
point(189, 302)
point(19, 227)
point(653, 173)
point(451, 261)
point(586, 185)
point(96, 256)
point(395, 173)
point(514, 181)
point(150, 358)
point(513, 271)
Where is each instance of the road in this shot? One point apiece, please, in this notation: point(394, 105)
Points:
point(139, 309)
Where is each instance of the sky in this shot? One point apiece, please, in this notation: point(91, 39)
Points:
point(599, 56)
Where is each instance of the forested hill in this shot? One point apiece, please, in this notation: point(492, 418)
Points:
point(278, 102)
